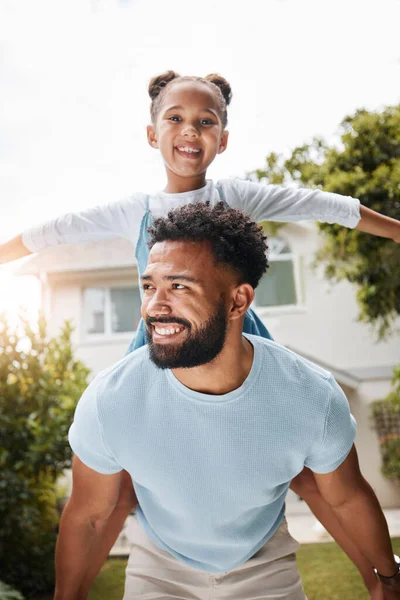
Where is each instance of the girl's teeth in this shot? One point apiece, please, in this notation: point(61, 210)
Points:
point(188, 150)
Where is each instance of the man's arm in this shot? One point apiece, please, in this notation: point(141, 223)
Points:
point(377, 224)
point(127, 501)
point(357, 508)
point(12, 250)
point(83, 522)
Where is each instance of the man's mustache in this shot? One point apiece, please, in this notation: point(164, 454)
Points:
point(151, 320)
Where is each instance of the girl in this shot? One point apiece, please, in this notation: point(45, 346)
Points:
point(188, 126)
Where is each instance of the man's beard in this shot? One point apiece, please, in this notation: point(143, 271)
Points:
point(197, 349)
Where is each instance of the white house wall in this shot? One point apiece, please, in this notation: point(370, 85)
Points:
point(367, 442)
point(66, 303)
point(326, 327)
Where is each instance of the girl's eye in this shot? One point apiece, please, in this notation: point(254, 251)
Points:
point(206, 122)
point(174, 118)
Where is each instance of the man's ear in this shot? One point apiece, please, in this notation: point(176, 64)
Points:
point(223, 142)
point(152, 136)
point(243, 296)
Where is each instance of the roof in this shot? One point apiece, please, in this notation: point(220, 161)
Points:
point(355, 375)
point(103, 255)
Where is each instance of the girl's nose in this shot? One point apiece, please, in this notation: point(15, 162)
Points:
point(189, 131)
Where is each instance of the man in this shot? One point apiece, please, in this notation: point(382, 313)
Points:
point(212, 425)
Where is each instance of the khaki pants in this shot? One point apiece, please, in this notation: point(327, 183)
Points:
point(271, 574)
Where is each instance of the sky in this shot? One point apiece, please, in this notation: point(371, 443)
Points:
point(74, 75)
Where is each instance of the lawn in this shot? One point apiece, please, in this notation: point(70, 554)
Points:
point(326, 572)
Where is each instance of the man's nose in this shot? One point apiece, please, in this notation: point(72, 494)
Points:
point(158, 306)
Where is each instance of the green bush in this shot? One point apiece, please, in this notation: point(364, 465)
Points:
point(386, 414)
point(8, 593)
point(40, 384)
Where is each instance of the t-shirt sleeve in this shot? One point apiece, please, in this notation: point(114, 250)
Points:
point(338, 436)
point(114, 220)
point(276, 203)
point(86, 435)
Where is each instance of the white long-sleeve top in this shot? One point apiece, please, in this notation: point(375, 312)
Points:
point(261, 202)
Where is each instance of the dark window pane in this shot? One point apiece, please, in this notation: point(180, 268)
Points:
point(277, 287)
point(125, 309)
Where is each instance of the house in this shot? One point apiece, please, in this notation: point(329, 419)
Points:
point(96, 286)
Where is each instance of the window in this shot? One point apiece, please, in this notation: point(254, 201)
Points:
point(278, 287)
point(110, 310)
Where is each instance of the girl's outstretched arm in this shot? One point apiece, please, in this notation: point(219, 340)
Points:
point(115, 220)
point(284, 204)
point(377, 224)
point(12, 250)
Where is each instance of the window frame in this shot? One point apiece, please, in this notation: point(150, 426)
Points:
point(107, 334)
point(297, 263)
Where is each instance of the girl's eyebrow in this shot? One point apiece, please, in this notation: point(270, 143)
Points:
point(207, 110)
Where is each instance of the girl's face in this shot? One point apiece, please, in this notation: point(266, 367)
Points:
point(189, 134)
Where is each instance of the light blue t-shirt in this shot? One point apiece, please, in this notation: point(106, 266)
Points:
point(211, 472)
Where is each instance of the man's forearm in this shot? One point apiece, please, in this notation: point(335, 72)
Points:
point(364, 522)
point(304, 485)
point(110, 534)
point(377, 224)
point(76, 544)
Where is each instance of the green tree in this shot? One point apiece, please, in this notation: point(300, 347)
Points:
point(365, 164)
point(40, 384)
point(386, 416)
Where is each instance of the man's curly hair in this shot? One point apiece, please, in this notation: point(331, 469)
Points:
point(235, 239)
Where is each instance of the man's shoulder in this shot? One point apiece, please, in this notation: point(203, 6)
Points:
point(131, 371)
point(286, 362)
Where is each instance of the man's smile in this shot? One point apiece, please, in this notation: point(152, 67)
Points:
point(166, 331)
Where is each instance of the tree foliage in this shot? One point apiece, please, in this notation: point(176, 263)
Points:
point(40, 384)
point(365, 164)
point(386, 415)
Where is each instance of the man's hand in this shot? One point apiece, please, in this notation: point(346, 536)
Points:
point(376, 591)
point(391, 592)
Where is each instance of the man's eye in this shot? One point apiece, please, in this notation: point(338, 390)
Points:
point(147, 286)
point(178, 286)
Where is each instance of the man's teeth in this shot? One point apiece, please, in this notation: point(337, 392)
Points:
point(169, 331)
point(187, 149)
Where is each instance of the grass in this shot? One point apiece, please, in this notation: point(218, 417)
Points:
point(326, 572)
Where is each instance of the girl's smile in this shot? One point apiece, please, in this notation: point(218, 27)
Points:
point(189, 150)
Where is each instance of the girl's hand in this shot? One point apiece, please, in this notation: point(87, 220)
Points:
point(12, 250)
point(376, 224)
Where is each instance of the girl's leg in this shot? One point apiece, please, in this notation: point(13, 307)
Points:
point(127, 501)
point(305, 486)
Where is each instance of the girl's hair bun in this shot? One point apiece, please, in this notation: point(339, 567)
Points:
point(223, 85)
point(159, 82)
